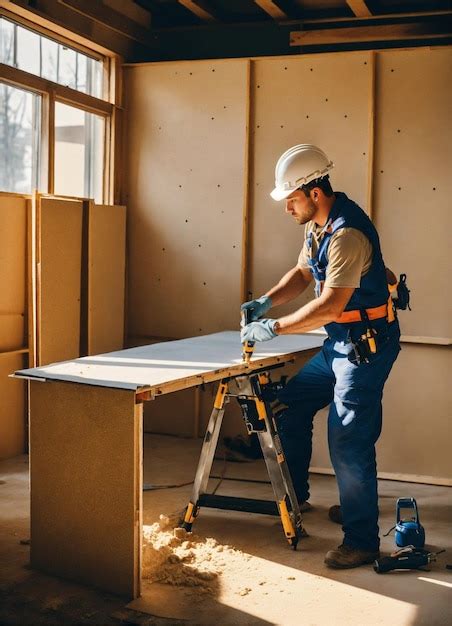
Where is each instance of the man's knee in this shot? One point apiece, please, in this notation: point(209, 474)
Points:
point(293, 420)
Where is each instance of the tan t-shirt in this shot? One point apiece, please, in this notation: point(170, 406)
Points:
point(349, 255)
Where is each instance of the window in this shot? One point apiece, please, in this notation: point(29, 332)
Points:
point(79, 152)
point(32, 52)
point(57, 127)
point(20, 116)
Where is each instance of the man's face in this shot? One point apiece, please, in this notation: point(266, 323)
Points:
point(300, 207)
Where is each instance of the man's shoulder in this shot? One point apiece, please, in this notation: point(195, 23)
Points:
point(348, 233)
point(350, 243)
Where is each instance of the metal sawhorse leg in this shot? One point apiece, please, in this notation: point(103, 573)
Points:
point(254, 394)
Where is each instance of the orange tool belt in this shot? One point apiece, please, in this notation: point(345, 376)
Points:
point(376, 313)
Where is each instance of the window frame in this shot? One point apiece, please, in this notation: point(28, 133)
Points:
point(51, 92)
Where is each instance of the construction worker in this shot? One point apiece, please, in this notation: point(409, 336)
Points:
point(341, 253)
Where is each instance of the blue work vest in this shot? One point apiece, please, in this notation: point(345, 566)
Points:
point(373, 288)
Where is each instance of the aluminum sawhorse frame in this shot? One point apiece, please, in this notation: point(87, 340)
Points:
point(253, 393)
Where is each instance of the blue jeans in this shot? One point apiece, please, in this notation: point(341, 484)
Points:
point(354, 393)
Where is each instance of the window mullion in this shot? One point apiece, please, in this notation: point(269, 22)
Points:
point(51, 143)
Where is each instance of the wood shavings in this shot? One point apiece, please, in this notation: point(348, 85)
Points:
point(174, 556)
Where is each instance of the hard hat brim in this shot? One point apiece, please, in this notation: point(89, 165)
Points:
point(280, 193)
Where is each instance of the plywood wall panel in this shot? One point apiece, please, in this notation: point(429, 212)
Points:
point(185, 153)
point(171, 414)
point(12, 407)
point(413, 180)
point(303, 100)
point(326, 100)
point(106, 277)
point(417, 429)
point(59, 271)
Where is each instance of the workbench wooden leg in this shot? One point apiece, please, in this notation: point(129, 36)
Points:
point(86, 484)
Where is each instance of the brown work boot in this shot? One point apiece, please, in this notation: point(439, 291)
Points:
point(335, 514)
point(305, 506)
point(345, 556)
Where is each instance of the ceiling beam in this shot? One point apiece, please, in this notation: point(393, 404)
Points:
point(359, 8)
point(200, 9)
point(272, 9)
point(131, 10)
point(380, 32)
point(101, 13)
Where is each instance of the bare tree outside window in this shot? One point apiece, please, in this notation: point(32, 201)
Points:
point(19, 136)
point(79, 136)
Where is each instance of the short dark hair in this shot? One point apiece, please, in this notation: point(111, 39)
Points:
point(322, 183)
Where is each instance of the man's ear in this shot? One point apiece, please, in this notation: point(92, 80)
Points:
point(315, 195)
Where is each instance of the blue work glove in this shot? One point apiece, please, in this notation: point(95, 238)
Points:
point(257, 307)
point(258, 331)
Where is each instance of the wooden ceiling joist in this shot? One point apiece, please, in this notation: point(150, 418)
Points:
point(272, 9)
point(200, 9)
point(109, 18)
point(381, 32)
point(359, 8)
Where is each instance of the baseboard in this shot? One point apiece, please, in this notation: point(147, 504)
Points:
point(404, 478)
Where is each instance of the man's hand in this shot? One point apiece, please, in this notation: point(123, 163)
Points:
point(263, 330)
point(257, 308)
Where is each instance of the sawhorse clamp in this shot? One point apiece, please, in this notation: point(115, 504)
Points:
point(254, 392)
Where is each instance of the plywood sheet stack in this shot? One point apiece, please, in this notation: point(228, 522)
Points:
point(105, 278)
point(13, 345)
point(53, 250)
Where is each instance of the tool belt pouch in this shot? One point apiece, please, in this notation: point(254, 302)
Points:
point(365, 345)
point(360, 351)
point(402, 302)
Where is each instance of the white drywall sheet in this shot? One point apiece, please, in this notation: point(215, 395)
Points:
point(173, 365)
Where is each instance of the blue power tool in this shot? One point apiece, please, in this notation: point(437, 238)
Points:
point(408, 531)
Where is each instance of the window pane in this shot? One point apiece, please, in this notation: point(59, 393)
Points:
point(67, 67)
point(6, 42)
point(28, 53)
point(49, 51)
point(79, 152)
point(81, 72)
point(20, 115)
point(39, 55)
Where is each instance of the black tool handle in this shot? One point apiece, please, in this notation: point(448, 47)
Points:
point(247, 319)
point(389, 563)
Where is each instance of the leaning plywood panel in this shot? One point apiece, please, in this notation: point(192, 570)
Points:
point(186, 147)
point(13, 254)
point(59, 279)
point(106, 277)
point(413, 180)
point(86, 485)
point(12, 407)
point(296, 101)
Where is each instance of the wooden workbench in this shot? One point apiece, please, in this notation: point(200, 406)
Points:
point(86, 447)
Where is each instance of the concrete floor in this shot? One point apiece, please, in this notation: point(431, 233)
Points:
point(273, 585)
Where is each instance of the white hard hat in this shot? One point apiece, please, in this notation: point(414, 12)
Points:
point(298, 166)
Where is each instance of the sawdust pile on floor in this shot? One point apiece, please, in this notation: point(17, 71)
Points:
point(173, 556)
